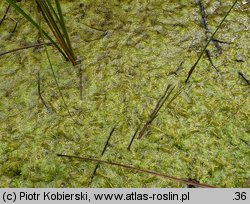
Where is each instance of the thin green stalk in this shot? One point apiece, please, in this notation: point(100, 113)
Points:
point(54, 75)
point(160, 103)
point(103, 152)
point(63, 26)
point(208, 42)
point(157, 108)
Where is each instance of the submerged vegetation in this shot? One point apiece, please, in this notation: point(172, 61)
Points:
point(137, 56)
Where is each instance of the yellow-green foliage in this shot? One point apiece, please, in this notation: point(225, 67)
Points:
point(129, 49)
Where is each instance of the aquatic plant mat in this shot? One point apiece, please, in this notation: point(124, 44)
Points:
point(138, 123)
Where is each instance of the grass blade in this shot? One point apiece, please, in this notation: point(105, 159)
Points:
point(54, 75)
point(63, 26)
point(208, 42)
point(56, 23)
point(27, 17)
point(158, 106)
point(103, 152)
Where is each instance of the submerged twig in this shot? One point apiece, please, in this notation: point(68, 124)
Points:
point(180, 180)
point(23, 48)
point(220, 41)
point(244, 141)
point(80, 80)
point(216, 44)
point(14, 29)
point(208, 42)
point(40, 94)
point(97, 29)
point(244, 77)
point(247, 183)
point(180, 67)
point(133, 138)
point(203, 15)
point(191, 185)
point(205, 24)
point(103, 152)
point(211, 62)
point(5, 14)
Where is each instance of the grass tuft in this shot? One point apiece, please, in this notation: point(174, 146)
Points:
point(55, 21)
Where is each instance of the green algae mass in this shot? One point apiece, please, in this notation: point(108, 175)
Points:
point(129, 50)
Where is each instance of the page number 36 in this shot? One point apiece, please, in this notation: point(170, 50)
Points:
point(240, 196)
